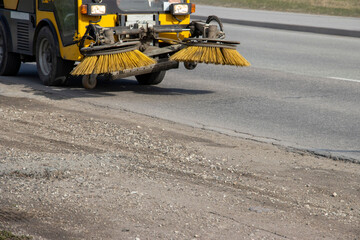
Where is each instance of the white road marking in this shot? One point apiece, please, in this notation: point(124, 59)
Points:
point(345, 79)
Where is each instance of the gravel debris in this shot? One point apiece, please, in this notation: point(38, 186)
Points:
point(106, 174)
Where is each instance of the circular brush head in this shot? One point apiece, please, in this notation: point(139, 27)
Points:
point(210, 51)
point(112, 58)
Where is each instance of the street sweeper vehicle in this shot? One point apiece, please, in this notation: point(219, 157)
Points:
point(109, 38)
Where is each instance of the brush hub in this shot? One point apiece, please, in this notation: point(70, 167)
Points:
point(210, 42)
point(110, 48)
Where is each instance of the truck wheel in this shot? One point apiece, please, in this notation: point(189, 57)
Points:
point(9, 62)
point(52, 69)
point(151, 78)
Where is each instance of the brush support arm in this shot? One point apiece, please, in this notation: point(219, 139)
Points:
point(212, 28)
point(110, 49)
point(210, 42)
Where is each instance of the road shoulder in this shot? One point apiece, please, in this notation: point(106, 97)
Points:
point(83, 172)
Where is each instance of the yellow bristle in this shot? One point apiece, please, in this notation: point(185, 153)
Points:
point(220, 56)
point(86, 66)
point(205, 55)
point(192, 52)
point(118, 60)
point(214, 55)
point(234, 58)
point(112, 63)
point(145, 60)
point(99, 64)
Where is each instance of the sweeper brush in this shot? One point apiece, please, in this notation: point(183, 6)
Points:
point(210, 51)
point(111, 58)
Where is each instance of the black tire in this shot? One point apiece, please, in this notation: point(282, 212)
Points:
point(52, 70)
point(151, 78)
point(9, 62)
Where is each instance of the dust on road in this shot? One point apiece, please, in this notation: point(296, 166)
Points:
point(78, 171)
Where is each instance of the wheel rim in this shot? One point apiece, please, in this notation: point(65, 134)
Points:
point(45, 56)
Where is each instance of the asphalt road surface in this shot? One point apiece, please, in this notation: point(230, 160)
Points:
point(302, 91)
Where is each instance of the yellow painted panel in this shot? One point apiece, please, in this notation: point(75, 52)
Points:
point(69, 52)
point(72, 52)
point(174, 35)
point(11, 4)
point(168, 19)
point(84, 20)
